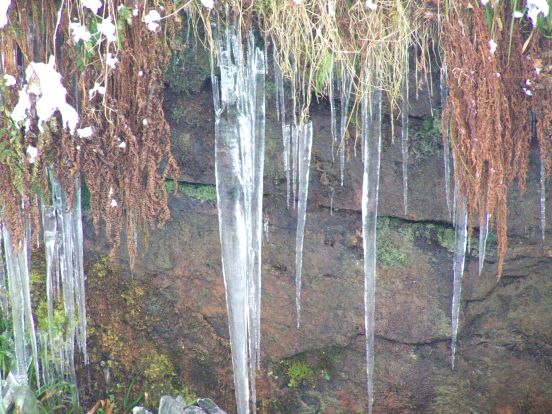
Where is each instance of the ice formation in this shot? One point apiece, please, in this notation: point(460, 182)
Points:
point(239, 165)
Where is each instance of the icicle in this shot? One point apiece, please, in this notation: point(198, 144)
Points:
point(17, 270)
point(304, 137)
point(278, 83)
point(346, 91)
point(483, 235)
point(371, 131)
point(446, 148)
point(266, 229)
point(294, 161)
point(63, 243)
point(404, 135)
point(286, 133)
point(239, 166)
point(461, 237)
point(542, 198)
point(332, 192)
point(333, 94)
point(416, 95)
point(281, 114)
point(4, 303)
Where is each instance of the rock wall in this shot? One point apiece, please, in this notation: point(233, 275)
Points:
point(167, 318)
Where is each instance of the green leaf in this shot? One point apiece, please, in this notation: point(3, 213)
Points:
point(324, 72)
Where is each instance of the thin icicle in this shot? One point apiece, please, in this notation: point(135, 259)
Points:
point(446, 148)
point(333, 96)
point(294, 162)
point(371, 131)
point(286, 133)
point(281, 114)
point(543, 198)
point(416, 94)
point(304, 136)
point(332, 193)
point(483, 235)
point(404, 135)
point(239, 166)
point(461, 237)
point(346, 91)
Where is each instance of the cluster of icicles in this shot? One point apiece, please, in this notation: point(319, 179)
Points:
point(239, 101)
point(50, 353)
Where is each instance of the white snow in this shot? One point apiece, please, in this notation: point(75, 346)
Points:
point(371, 5)
point(4, 6)
point(111, 60)
point(536, 7)
point(107, 28)
point(85, 132)
point(23, 106)
point(45, 82)
point(152, 20)
point(96, 89)
point(93, 5)
point(492, 46)
point(10, 80)
point(80, 32)
point(32, 153)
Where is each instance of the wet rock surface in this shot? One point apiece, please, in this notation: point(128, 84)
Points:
point(504, 344)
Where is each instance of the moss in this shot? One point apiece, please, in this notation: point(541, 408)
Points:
point(118, 321)
point(390, 251)
point(201, 192)
point(426, 141)
point(189, 66)
point(447, 238)
point(453, 397)
point(439, 233)
point(300, 373)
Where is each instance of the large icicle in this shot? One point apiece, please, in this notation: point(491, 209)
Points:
point(461, 237)
point(239, 165)
point(63, 242)
point(404, 135)
point(371, 131)
point(303, 134)
point(17, 270)
point(446, 148)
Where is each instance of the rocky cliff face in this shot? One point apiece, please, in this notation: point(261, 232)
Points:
point(165, 323)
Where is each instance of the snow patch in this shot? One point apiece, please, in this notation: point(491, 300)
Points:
point(492, 46)
point(152, 20)
point(9, 80)
point(32, 153)
point(93, 5)
point(80, 32)
point(107, 28)
point(4, 6)
point(85, 132)
point(536, 7)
